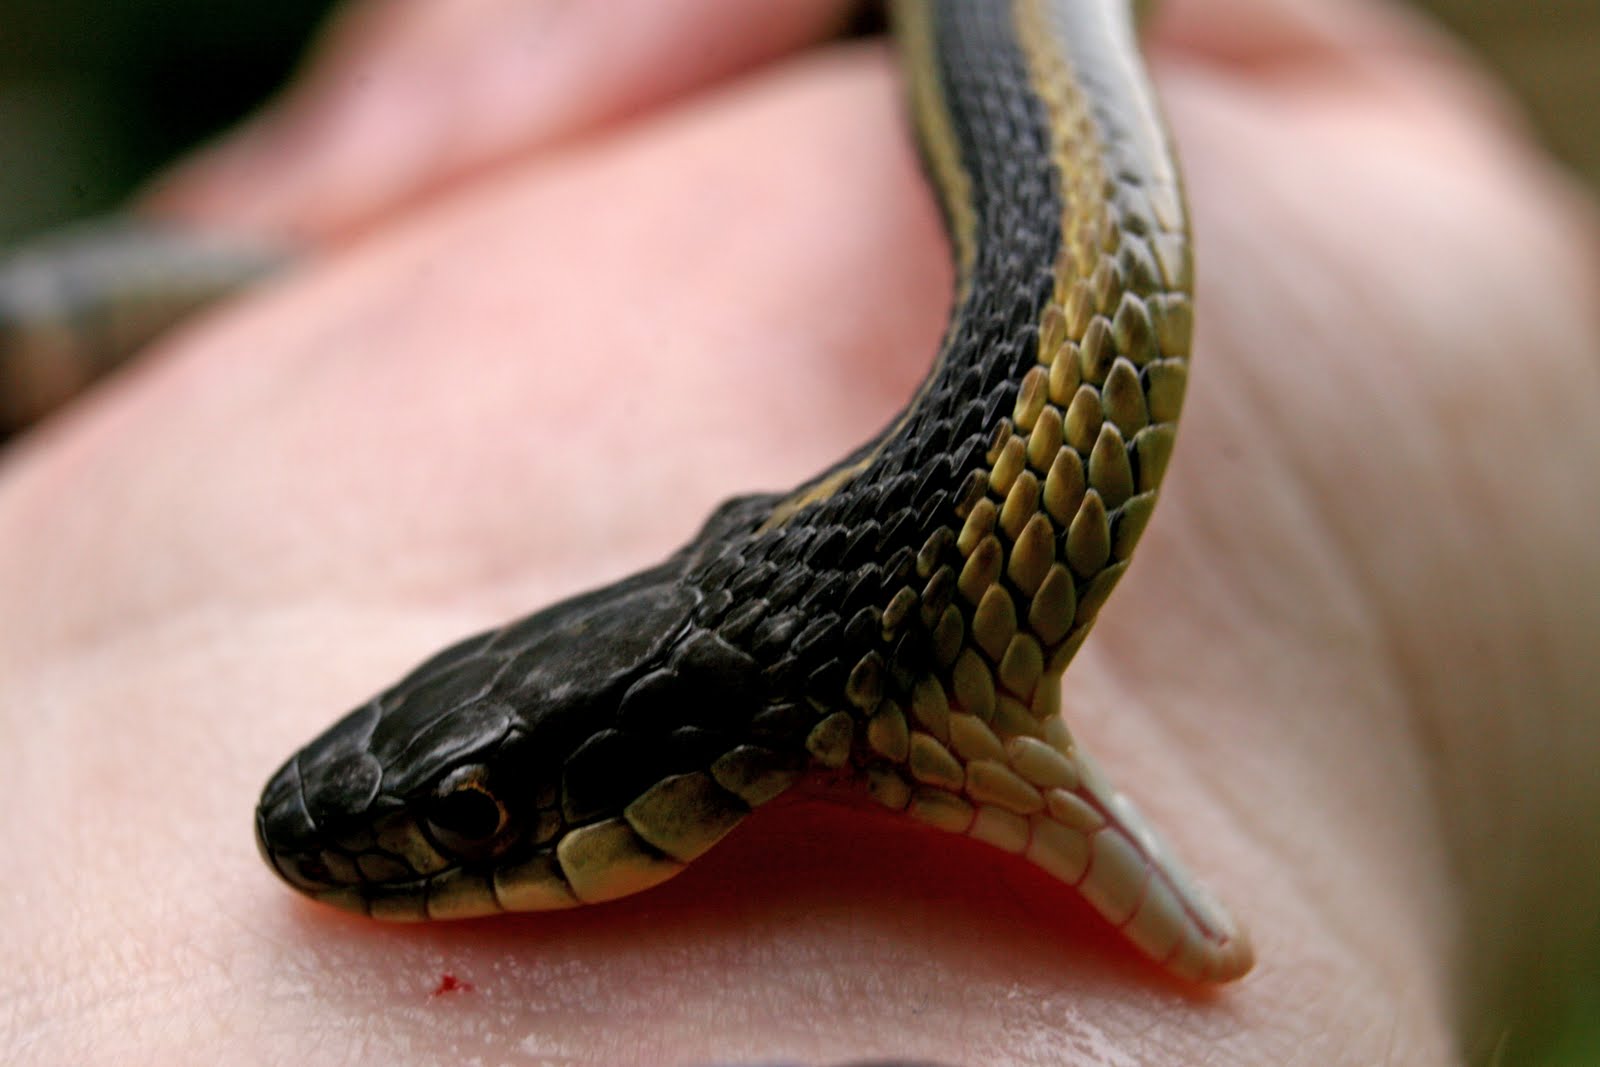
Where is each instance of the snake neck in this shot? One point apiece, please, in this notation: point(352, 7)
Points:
point(954, 563)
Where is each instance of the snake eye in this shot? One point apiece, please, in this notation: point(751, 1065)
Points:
point(464, 815)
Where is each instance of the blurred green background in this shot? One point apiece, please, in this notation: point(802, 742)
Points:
point(96, 94)
point(1549, 54)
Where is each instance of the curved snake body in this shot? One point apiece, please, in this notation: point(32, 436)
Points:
point(900, 621)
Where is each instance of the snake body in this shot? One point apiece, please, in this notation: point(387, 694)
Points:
point(900, 622)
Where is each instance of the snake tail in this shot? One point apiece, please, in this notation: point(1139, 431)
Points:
point(900, 622)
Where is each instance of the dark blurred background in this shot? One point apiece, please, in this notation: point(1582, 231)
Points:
point(96, 94)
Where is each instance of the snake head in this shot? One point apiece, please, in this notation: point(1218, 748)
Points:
point(495, 776)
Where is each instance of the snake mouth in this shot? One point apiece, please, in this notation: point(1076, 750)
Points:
point(372, 857)
point(374, 883)
point(418, 885)
point(352, 871)
point(370, 882)
point(462, 892)
point(393, 901)
point(386, 865)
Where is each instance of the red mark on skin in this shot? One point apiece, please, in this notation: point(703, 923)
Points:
point(449, 983)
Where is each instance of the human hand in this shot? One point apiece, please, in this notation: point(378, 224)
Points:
point(489, 395)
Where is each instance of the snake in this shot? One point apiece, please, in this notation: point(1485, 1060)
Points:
point(895, 628)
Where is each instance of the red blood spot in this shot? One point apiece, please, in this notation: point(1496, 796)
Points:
point(449, 983)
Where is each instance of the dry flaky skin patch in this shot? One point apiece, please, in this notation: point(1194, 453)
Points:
point(902, 621)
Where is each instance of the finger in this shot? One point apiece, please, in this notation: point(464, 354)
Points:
point(1279, 34)
point(1370, 51)
point(403, 99)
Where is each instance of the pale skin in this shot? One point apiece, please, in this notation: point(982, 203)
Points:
point(1351, 673)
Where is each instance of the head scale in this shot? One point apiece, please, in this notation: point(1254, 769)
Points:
point(419, 802)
